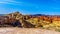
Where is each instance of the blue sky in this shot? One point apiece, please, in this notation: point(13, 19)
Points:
point(49, 7)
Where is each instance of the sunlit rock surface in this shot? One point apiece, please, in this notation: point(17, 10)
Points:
point(16, 19)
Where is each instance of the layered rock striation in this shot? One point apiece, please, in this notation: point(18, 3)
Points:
point(29, 21)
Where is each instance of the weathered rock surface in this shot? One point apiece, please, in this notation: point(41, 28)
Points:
point(31, 21)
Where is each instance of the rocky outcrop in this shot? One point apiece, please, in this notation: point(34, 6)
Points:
point(38, 20)
point(15, 19)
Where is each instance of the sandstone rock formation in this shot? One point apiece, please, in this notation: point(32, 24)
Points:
point(29, 21)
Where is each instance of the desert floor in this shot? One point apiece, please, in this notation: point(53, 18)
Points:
point(15, 30)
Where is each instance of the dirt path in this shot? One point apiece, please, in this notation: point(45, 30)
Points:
point(26, 31)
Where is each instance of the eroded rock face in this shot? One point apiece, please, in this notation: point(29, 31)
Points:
point(5, 20)
point(15, 19)
point(29, 21)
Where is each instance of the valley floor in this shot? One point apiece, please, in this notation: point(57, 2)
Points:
point(16, 30)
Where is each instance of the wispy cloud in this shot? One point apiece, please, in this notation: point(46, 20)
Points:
point(9, 2)
point(3, 2)
point(13, 2)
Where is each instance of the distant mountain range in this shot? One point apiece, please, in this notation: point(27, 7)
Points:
point(34, 14)
point(2, 14)
point(43, 15)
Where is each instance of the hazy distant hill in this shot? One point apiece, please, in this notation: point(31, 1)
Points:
point(36, 15)
point(2, 14)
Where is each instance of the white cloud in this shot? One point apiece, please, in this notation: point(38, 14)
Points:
point(12, 2)
point(3, 2)
point(9, 2)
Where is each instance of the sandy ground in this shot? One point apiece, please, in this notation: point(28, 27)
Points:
point(26, 31)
